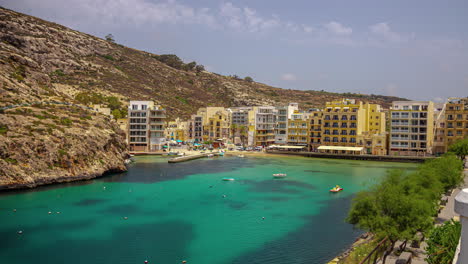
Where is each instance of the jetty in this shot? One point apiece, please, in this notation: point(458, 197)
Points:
point(192, 157)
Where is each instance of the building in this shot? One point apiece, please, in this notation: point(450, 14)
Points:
point(438, 146)
point(315, 131)
point(411, 128)
point(262, 123)
point(284, 113)
point(239, 124)
point(146, 126)
point(298, 129)
point(456, 118)
point(195, 129)
point(216, 123)
point(372, 136)
point(176, 130)
point(102, 109)
point(341, 125)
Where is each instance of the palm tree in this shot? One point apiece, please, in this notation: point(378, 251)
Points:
point(243, 134)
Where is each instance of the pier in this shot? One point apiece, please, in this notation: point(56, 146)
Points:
point(191, 157)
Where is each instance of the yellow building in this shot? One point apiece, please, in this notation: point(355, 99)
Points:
point(315, 129)
point(298, 129)
point(262, 123)
point(176, 130)
point(216, 123)
point(456, 118)
point(359, 125)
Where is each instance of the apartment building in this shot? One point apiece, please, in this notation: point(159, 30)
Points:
point(298, 129)
point(411, 127)
point(195, 129)
point(315, 131)
point(146, 126)
point(341, 123)
point(372, 136)
point(284, 113)
point(176, 130)
point(239, 124)
point(262, 123)
point(216, 123)
point(456, 118)
point(438, 146)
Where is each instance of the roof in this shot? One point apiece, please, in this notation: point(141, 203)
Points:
point(340, 148)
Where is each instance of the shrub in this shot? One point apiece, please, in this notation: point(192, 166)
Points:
point(19, 74)
point(183, 100)
point(11, 161)
point(442, 243)
point(248, 79)
point(65, 121)
point(109, 57)
point(58, 72)
point(3, 129)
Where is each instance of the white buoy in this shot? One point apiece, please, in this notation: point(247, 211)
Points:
point(125, 218)
point(14, 210)
point(263, 218)
point(50, 212)
point(224, 196)
point(20, 232)
point(58, 212)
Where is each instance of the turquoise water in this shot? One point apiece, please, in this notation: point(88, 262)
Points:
point(166, 213)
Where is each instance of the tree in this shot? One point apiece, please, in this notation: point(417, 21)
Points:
point(460, 148)
point(190, 66)
point(110, 38)
point(199, 68)
point(116, 113)
point(171, 60)
point(248, 79)
point(243, 134)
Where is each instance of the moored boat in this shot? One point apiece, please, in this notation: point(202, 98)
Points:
point(240, 156)
point(228, 179)
point(279, 175)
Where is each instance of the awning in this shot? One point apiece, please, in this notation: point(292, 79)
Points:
point(290, 147)
point(179, 141)
point(340, 148)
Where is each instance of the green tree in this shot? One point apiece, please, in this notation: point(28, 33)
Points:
point(460, 148)
point(116, 113)
point(171, 60)
point(190, 66)
point(113, 102)
point(110, 38)
point(248, 79)
point(199, 68)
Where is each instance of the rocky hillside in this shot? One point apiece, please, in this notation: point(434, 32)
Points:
point(42, 61)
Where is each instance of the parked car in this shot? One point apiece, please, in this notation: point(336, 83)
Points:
point(258, 148)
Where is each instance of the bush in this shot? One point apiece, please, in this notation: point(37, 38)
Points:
point(442, 243)
point(19, 74)
point(11, 161)
point(248, 79)
point(109, 57)
point(58, 72)
point(183, 100)
point(3, 129)
point(65, 121)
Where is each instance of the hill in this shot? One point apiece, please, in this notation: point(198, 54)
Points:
point(42, 61)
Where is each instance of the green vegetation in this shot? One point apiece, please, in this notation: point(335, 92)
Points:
point(109, 57)
point(248, 79)
point(3, 129)
point(62, 152)
point(19, 74)
point(460, 148)
point(403, 204)
point(58, 72)
point(442, 243)
point(117, 109)
point(11, 161)
point(183, 100)
point(110, 38)
point(175, 62)
point(65, 121)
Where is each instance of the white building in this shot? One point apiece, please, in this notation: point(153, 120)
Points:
point(284, 113)
point(146, 126)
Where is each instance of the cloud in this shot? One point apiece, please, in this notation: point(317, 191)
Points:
point(245, 19)
point(383, 30)
point(338, 29)
point(288, 77)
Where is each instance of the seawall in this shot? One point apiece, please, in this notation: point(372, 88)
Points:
point(412, 159)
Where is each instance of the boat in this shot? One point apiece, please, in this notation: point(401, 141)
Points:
point(172, 153)
point(181, 154)
point(229, 179)
point(210, 155)
point(336, 189)
point(241, 156)
point(279, 175)
point(221, 154)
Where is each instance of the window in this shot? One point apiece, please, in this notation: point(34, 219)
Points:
point(144, 107)
point(134, 107)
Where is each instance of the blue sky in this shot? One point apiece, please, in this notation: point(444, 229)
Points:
point(415, 49)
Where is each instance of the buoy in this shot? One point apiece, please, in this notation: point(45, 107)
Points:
point(50, 212)
point(184, 261)
point(263, 218)
point(14, 210)
point(224, 196)
point(20, 232)
point(146, 262)
point(58, 212)
point(104, 187)
point(125, 218)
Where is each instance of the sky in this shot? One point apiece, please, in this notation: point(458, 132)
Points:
point(415, 49)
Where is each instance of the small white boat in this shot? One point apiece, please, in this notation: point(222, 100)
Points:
point(241, 156)
point(210, 155)
point(279, 175)
point(229, 179)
